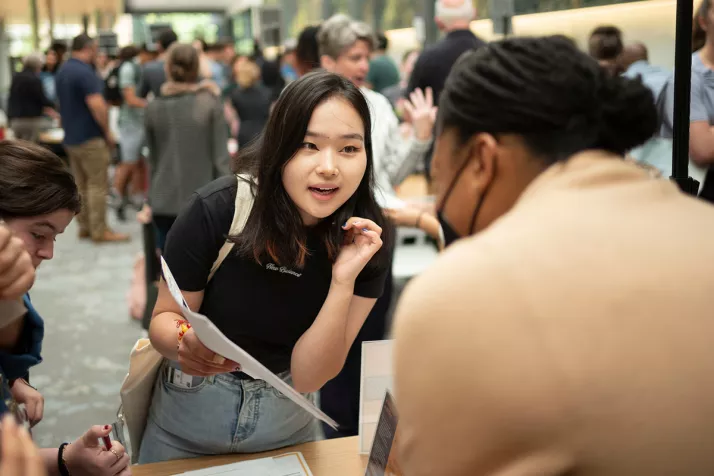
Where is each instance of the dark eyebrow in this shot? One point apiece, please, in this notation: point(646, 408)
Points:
point(47, 224)
point(325, 136)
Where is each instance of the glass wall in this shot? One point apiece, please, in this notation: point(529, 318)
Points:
point(187, 26)
point(537, 6)
point(400, 13)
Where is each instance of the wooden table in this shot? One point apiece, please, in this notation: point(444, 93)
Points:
point(414, 186)
point(325, 458)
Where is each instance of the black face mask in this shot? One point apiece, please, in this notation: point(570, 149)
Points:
point(450, 235)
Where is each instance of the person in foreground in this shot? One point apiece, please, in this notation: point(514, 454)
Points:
point(38, 200)
point(571, 334)
point(306, 271)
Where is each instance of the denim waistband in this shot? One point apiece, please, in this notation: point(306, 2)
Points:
point(233, 377)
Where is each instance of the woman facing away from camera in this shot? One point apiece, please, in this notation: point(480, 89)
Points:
point(306, 271)
point(38, 200)
point(569, 330)
point(187, 137)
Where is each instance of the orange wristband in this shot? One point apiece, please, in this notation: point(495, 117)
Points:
point(183, 327)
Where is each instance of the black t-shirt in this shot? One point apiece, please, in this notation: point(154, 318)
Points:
point(263, 309)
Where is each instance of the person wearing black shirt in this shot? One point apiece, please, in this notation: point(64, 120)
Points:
point(453, 17)
point(27, 103)
point(305, 272)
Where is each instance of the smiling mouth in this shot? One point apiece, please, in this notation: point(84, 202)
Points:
point(324, 190)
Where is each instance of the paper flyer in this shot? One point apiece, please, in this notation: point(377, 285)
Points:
point(289, 464)
point(215, 340)
point(383, 457)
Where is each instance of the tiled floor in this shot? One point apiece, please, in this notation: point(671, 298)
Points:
point(81, 294)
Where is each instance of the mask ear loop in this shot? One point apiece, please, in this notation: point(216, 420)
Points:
point(480, 203)
point(452, 185)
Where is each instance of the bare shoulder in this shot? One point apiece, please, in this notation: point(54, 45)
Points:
point(458, 274)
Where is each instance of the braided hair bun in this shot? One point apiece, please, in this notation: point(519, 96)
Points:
point(547, 91)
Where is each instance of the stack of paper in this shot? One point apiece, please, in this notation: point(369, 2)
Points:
point(289, 464)
point(214, 339)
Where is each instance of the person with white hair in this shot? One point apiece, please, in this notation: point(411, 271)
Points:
point(27, 102)
point(453, 18)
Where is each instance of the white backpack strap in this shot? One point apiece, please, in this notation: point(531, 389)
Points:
point(243, 206)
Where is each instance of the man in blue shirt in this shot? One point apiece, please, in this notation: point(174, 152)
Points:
point(635, 61)
point(87, 138)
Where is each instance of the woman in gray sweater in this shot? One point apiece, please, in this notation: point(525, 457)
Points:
point(187, 137)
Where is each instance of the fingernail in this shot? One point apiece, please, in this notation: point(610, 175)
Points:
point(345, 225)
point(106, 427)
point(365, 229)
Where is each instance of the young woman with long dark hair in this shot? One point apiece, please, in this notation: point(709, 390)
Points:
point(306, 271)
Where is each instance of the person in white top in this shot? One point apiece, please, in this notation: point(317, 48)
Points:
point(345, 48)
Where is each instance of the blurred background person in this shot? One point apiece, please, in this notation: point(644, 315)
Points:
point(52, 64)
point(701, 135)
point(146, 54)
point(251, 102)
point(187, 137)
point(396, 92)
point(606, 46)
point(226, 55)
point(153, 74)
point(88, 139)
point(27, 103)
point(453, 18)
point(272, 78)
point(131, 125)
point(345, 47)
point(635, 63)
point(209, 69)
point(383, 72)
point(103, 64)
point(307, 51)
point(288, 61)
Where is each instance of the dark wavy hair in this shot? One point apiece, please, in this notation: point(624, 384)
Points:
point(34, 182)
point(274, 228)
point(307, 51)
point(606, 43)
point(545, 90)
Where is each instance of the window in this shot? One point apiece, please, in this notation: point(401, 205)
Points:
point(523, 7)
point(400, 13)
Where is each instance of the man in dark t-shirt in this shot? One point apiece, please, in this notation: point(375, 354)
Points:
point(453, 17)
point(87, 138)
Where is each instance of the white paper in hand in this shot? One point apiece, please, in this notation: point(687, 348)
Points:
point(214, 339)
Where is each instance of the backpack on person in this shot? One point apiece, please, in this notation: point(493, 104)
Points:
point(144, 361)
point(112, 92)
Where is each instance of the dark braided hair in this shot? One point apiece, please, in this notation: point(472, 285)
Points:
point(544, 89)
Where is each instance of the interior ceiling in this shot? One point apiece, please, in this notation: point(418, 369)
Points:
point(69, 11)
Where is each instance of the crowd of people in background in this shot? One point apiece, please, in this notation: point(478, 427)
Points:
point(323, 134)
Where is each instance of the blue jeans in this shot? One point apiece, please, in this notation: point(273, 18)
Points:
point(222, 415)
